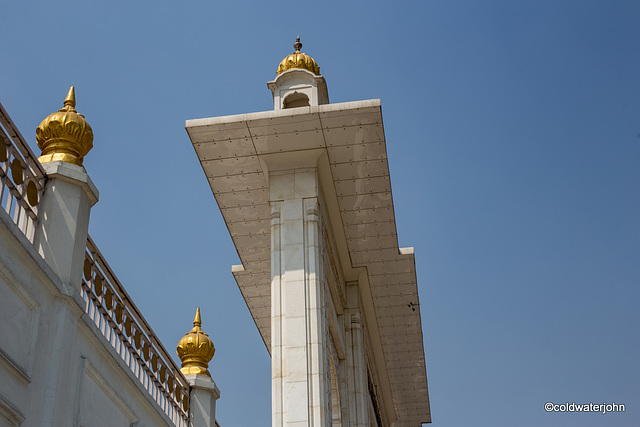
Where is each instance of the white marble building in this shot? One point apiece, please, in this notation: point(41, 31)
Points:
point(74, 348)
point(306, 195)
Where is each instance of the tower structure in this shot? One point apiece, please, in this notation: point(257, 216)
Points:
point(306, 195)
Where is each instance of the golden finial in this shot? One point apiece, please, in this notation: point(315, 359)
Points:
point(298, 60)
point(65, 135)
point(195, 350)
point(70, 100)
point(197, 321)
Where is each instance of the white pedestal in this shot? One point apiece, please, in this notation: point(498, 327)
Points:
point(202, 403)
point(61, 237)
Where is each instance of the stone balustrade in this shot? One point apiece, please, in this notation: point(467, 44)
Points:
point(120, 322)
point(22, 178)
point(107, 304)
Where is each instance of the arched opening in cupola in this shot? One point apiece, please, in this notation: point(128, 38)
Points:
point(296, 99)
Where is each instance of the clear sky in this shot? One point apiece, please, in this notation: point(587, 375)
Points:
point(513, 136)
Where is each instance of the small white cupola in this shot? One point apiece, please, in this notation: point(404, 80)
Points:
point(299, 82)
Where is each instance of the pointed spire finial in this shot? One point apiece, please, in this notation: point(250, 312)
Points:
point(70, 100)
point(65, 135)
point(197, 321)
point(297, 45)
point(196, 349)
point(298, 60)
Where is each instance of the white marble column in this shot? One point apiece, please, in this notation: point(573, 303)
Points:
point(356, 361)
point(61, 237)
point(298, 307)
point(202, 401)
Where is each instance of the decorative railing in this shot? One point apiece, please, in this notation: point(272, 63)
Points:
point(22, 178)
point(119, 320)
point(22, 181)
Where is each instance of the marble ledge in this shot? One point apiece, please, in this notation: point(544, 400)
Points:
point(239, 119)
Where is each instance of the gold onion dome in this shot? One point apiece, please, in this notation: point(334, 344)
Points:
point(65, 135)
point(195, 350)
point(298, 60)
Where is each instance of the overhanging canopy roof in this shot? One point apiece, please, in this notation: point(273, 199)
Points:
point(230, 150)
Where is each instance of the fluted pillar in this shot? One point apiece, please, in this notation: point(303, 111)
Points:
point(300, 392)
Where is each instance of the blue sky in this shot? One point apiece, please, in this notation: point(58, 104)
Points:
point(513, 137)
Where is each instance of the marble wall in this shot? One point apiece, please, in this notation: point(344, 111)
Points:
point(56, 369)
